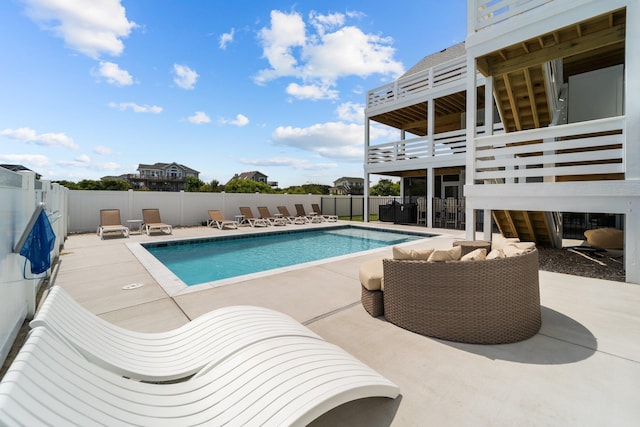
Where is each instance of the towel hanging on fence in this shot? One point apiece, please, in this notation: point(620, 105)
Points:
point(39, 244)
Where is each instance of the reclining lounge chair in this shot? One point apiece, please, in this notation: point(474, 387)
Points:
point(151, 221)
point(110, 221)
point(311, 218)
point(265, 214)
point(276, 382)
point(252, 220)
point(284, 211)
point(318, 211)
point(167, 355)
point(216, 218)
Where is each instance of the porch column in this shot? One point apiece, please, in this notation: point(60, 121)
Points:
point(488, 129)
point(430, 187)
point(471, 144)
point(367, 176)
point(632, 142)
point(365, 211)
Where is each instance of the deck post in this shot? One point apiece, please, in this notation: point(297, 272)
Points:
point(470, 222)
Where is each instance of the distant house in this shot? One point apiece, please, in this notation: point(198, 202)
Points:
point(255, 176)
point(162, 176)
point(348, 185)
point(18, 168)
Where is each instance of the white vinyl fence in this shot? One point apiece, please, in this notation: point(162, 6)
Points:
point(177, 209)
point(20, 195)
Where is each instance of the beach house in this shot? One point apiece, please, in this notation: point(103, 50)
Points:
point(555, 79)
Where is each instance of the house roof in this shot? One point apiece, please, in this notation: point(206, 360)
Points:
point(17, 168)
point(249, 175)
point(349, 178)
point(165, 165)
point(452, 52)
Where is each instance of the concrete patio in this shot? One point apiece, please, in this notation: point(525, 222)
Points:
point(581, 369)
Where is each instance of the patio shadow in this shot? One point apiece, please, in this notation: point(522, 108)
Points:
point(561, 340)
point(369, 412)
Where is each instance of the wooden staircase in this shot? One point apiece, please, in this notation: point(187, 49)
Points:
point(528, 226)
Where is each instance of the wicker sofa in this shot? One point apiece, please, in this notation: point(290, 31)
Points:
point(483, 302)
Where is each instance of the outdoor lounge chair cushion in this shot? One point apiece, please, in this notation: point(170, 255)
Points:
point(371, 275)
point(284, 381)
point(496, 254)
point(411, 254)
point(605, 238)
point(453, 254)
point(475, 255)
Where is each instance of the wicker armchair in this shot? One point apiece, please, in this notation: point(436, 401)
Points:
point(482, 302)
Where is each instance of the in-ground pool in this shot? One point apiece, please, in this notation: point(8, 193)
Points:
point(207, 260)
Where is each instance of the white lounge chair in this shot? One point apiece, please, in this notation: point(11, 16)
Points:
point(163, 356)
point(286, 381)
point(265, 214)
point(318, 211)
point(216, 218)
point(311, 217)
point(284, 211)
point(151, 221)
point(110, 221)
point(252, 220)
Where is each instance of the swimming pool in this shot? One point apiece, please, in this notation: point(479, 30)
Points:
point(198, 261)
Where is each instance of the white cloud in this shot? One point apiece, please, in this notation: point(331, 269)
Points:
point(90, 27)
point(29, 160)
point(199, 118)
point(84, 162)
point(319, 58)
point(226, 38)
point(287, 32)
point(332, 140)
point(313, 92)
point(47, 139)
point(136, 108)
point(102, 150)
point(114, 74)
point(240, 121)
point(185, 77)
point(289, 162)
point(351, 112)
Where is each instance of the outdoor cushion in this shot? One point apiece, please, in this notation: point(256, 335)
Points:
point(605, 238)
point(511, 250)
point(371, 275)
point(475, 255)
point(411, 254)
point(453, 254)
point(496, 254)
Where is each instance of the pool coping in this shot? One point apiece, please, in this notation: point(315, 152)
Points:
point(174, 286)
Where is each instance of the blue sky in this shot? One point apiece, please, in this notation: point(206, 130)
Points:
point(90, 88)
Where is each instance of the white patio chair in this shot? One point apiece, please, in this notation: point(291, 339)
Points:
point(275, 382)
point(162, 356)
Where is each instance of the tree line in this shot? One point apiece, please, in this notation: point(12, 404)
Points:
point(385, 187)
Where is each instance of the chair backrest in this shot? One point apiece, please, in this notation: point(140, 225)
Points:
point(300, 210)
point(246, 211)
point(110, 217)
point(264, 212)
point(151, 216)
point(284, 211)
point(316, 208)
point(216, 215)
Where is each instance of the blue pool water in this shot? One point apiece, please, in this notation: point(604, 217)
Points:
point(201, 261)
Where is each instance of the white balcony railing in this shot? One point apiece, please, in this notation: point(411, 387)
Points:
point(585, 148)
point(446, 73)
point(486, 13)
point(444, 144)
